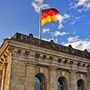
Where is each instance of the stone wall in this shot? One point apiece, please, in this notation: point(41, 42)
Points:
point(18, 72)
point(20, 62)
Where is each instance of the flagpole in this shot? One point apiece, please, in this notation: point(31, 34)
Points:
point(40, 27)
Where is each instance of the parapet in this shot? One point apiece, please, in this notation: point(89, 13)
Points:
point(50, 45)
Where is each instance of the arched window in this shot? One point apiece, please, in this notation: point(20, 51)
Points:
point(81, 84)
point(39, 82)
point(62, 84)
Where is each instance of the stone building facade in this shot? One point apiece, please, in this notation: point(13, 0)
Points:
point(28, 63)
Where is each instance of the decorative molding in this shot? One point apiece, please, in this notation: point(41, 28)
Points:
point(27, 53)
point(50, 45)
point(37, 56)
point(63, 73)
point(44, 57)
point(81, 76)
point(10, 49)
point(41, 70)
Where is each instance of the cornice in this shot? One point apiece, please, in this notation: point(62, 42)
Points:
point(41, 52)
point(50, 45)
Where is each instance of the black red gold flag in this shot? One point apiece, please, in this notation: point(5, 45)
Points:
point(48, 15)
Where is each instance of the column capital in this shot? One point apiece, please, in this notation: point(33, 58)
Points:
point(73, 70)
point(30, 64)
point(53, 68)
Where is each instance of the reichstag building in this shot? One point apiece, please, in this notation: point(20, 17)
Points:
point(28, 63)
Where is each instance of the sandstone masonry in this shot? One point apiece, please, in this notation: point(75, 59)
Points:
point(24, 58)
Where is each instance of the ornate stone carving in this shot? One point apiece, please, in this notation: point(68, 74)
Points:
point(51, 58)
point(44, 57)
point(86, 54)
point(51, 45)
point(37, 55)
point(19, 51)
point(30, 37)
point(63, 73)
point(65, 62)
point(11, 49)
point(41, 70)
point(78, 64)
point(59, 60)
point(27, 53)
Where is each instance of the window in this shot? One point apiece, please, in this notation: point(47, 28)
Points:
point(62, 84)
point(39, 82)
point(80, 84)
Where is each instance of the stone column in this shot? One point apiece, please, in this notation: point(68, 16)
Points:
point(73, 82)
point(30, 75)
point(1, 74)
point(53, 79)
point(17, 75)
point(3, 71)
point(88, 82)
point(88, 78)
point(4, 82)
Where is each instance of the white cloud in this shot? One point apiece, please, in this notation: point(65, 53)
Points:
point(80, 10)
point(56, 40)
point(58, 33)
point(66, 16)
point(61, 19)
point(87, 6)
point(38, 4)
point(53, 34)
point(44, 30)
point(84, 3)
point(75, 20)
point(73, 39)
point(78, 43)
point(81, 3)
point(39, 1)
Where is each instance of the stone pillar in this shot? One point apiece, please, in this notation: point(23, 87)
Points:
point(88, 78)
point(30, 75)
point(88, 82)
point(1, 72)
point(73, 81)
point(17, 75)
point(4, 82)
point(53, 79)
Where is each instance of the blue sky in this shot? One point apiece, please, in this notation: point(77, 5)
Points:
point(72, 26)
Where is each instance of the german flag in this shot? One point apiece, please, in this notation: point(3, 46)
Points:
point(48, 15)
